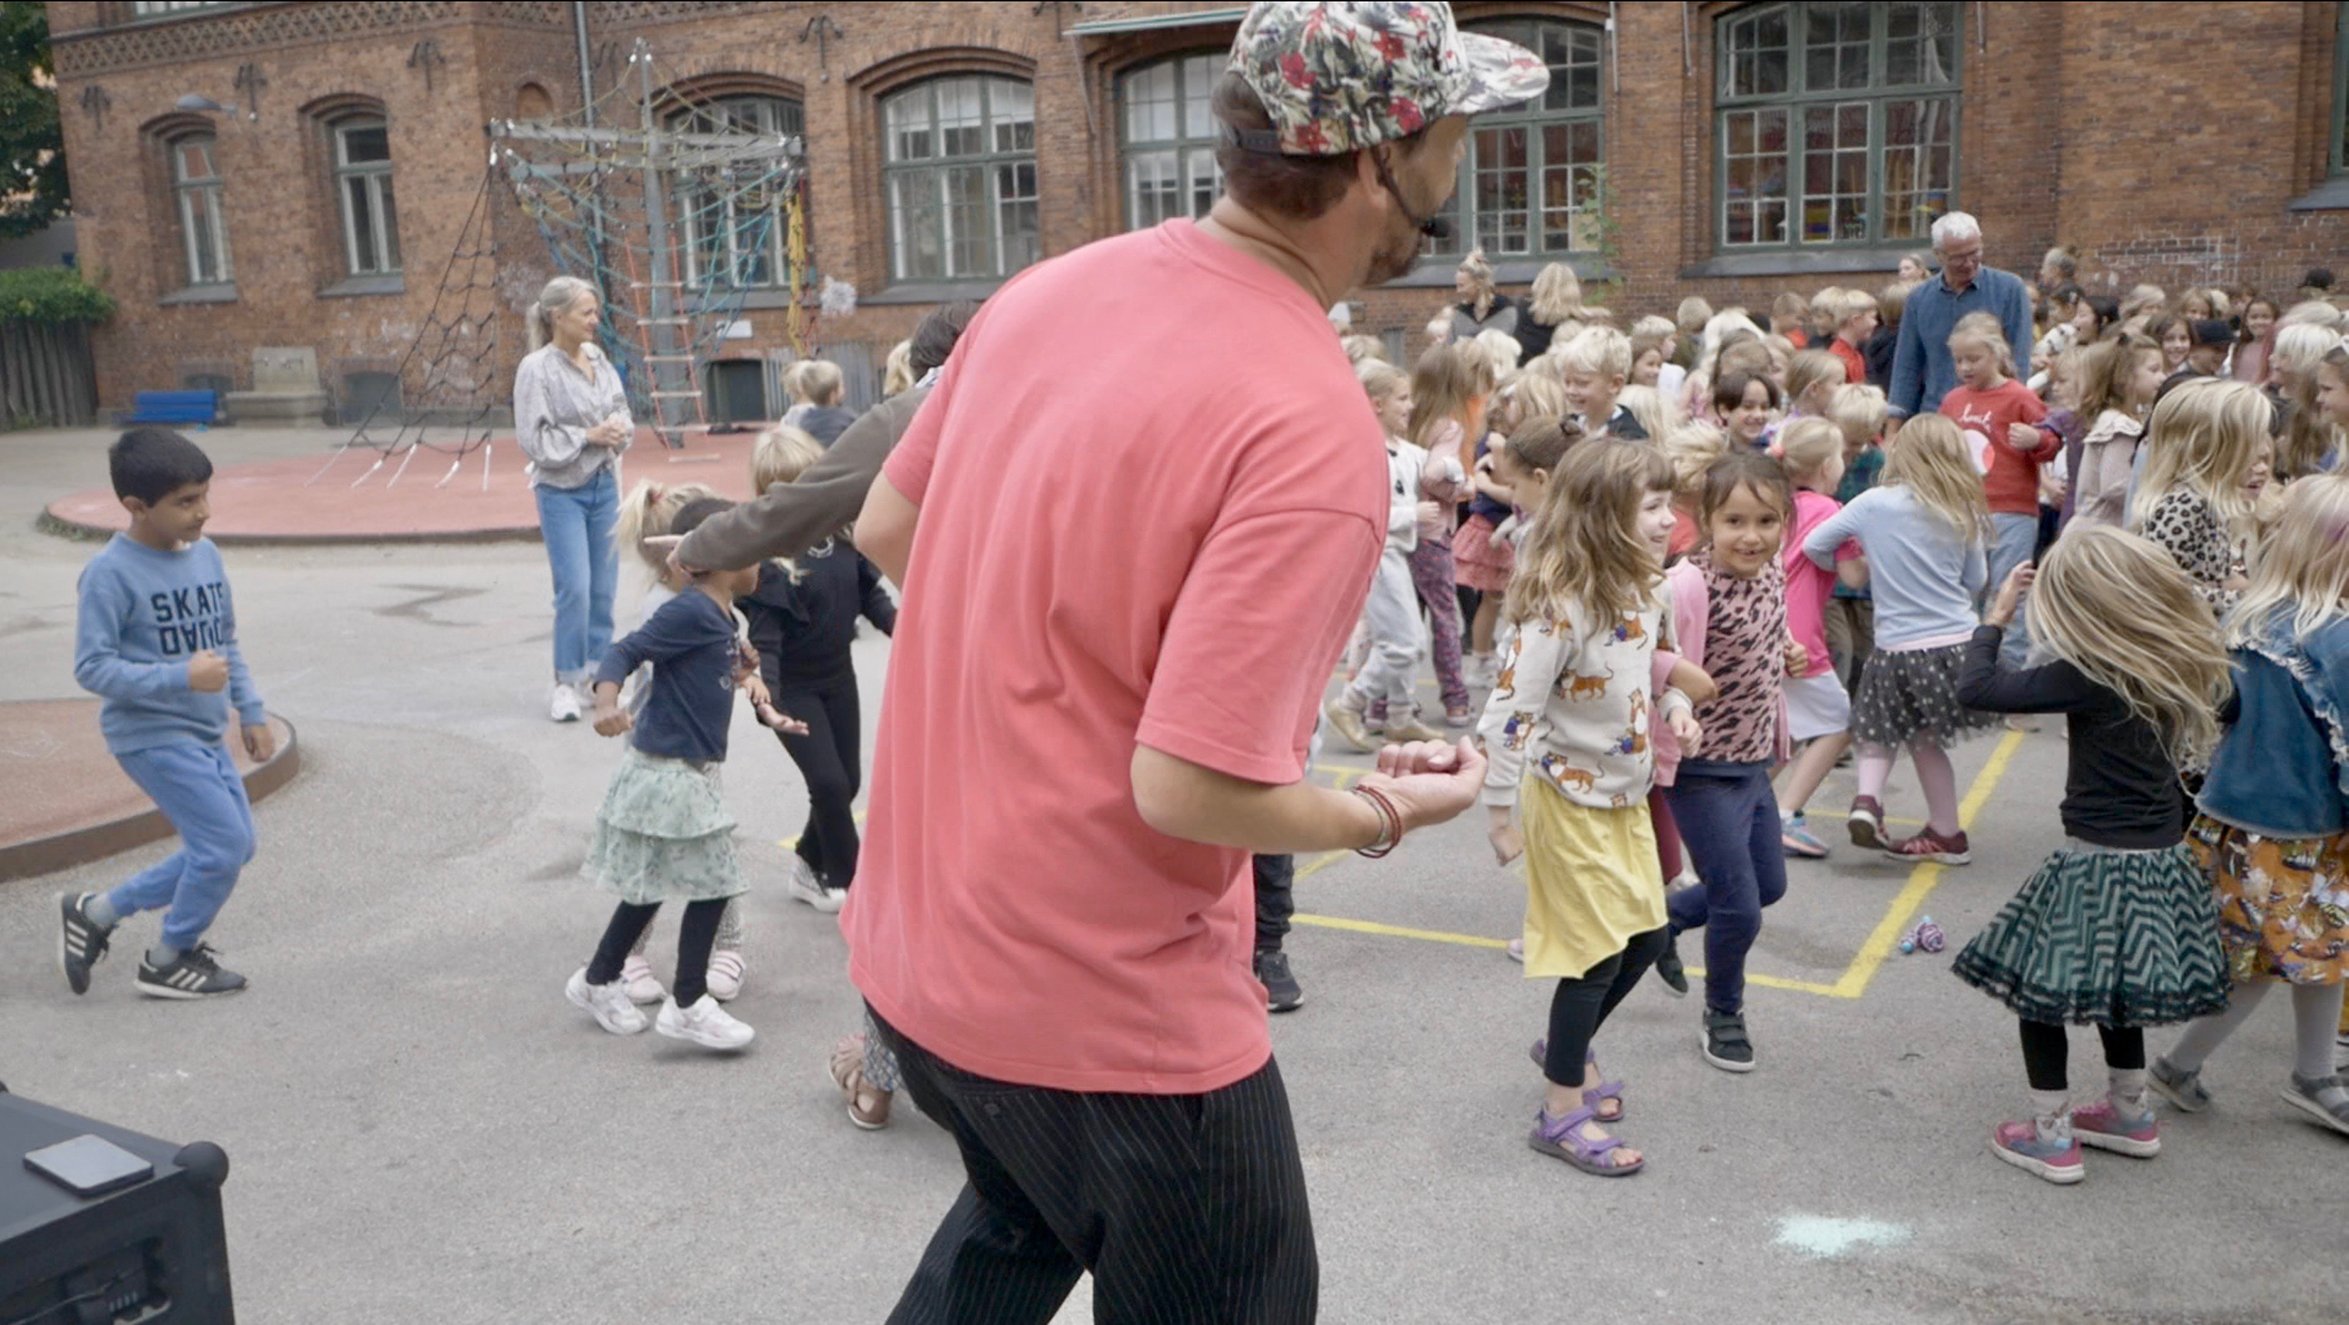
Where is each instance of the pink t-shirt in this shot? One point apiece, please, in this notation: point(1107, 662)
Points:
point(1807, 586)
point(1155, 532)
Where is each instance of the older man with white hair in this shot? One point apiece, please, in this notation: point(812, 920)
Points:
point(1922, 369)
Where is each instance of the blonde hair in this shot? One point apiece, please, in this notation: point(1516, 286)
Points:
point(2310, 437)
point(1480, 281)
point(647, 512)
point(1362, 349)
point(1893, 300)
point(1983, 329)
point(1860, 410)
point(2143, 299)
point(1722, 330)
point(1810, 370)
point(1751, 357)
point(2120, 610)
point(2299, 347)
point(794, 381)
point(1379, 379)
point(2204, 437)
point(897, 374)
point(822, 380)
point(1500, 352)
point(1690, 450)
point(1653, 333)
point(1603, 351)
point(2303, 565)
point(1658, 414)
point(2105, 371)
point(1929, 458)
point(1537, 395)
point(1850, 304)
point(1443, 387)
point(557, 295)
point(1557, 296)
point(1806, 445)
point(1693, 317)
point(1584, 549)
point(2312, 313)
point(1788, 307)
point(782, 454)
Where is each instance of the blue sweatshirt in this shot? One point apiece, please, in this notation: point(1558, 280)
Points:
point(1923, 576)
point(143, 615)
point(1923, 370)
point(690, 643)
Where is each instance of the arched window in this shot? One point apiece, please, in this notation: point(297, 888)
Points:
point(1168, 135)
point(363, 186)
point(1529, 185)
point(736, 237)
point(1836, 122)
point(959, 169)
point(203, 228)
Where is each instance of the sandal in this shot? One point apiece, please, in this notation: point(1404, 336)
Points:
point(2182, 1089)
point(868, 1105)
point(2325, 1099)
point(1568, 1139)
point(1606, 1092)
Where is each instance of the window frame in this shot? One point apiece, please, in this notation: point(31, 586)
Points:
point(2337, 152)
point(1798, 98)
point(938, 167)
point(1183, 145)
point(1460, 208)
point(787, 110)
point(381, 197)
point(206, 192)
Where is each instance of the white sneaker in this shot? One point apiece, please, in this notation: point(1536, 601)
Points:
point(636, 976)
point(608, 1004)
point(804, 886)
point(725, 977)
point(705, 1023)
point(565, 705)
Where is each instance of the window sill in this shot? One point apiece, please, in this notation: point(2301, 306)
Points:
point(365, 285)
point(1439, 271)
point(761, 297)
point(2330, 196)
point(931, 292)
point(201, 294)
point(1781, 262)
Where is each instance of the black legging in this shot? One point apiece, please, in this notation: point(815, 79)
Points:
point(1583, 1004)
point(1276, 877)
point(828, 761)
point(2046, 1050)
point(696, 935)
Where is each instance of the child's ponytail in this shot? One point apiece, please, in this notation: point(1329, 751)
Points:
point(649, 512)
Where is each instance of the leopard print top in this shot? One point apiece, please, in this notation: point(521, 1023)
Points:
point(2183, 524)
point(1745, 654)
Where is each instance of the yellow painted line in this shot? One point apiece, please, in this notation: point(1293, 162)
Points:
point(1396, 931)
point(1924, 878)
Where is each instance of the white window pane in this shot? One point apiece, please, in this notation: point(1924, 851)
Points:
point(1200, 73)
point(359, 225)
point(1153, 192)
point(1149, 96)
point(907, 116)
point(387, 222)
point(218, 226)
point(1206, 180)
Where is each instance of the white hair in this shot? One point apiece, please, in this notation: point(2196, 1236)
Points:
point(1955, 225)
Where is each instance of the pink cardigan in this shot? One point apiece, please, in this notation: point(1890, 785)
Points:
point(1691, 610)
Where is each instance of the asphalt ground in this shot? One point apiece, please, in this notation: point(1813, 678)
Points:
point(422, 1128)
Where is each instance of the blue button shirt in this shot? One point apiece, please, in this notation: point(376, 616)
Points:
point(1922, 369)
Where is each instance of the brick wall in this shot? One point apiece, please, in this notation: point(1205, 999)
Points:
point(2167, 150)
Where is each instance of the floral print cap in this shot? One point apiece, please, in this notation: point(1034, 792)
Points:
point(1340, 77)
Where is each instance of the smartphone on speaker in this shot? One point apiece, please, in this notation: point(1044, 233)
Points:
point(89, 1166)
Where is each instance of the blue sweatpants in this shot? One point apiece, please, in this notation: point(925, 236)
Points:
point(199, 791)
point(1728, 816)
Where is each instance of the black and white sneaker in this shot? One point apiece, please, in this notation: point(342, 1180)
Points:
point(197, 974)
point(81, 942)
point(1282, 993)
point(1670, 971)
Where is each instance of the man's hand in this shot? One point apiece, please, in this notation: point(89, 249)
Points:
point(2010, 595)
point(1429, 781)
point(207, 672)
point(1686, 730)
point(1501, 831)
point(260, 742)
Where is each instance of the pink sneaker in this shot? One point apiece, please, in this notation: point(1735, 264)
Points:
point(1929, 845)
point(2103, 1126)
point(2055, 1158)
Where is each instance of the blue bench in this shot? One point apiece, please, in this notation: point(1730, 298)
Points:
point(196, 407)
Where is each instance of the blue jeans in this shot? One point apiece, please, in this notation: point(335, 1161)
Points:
point(2013, 538)
point(199, 791)
point(577, 526)
point(1728, 816)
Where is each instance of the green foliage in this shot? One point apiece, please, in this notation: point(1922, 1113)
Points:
point(1599, 202)
point(32, 143)
point(52, 295)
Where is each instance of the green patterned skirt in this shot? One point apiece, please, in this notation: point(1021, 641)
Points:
point(663, 834)
point(2114, 938)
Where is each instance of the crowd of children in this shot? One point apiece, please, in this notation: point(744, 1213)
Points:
point(1693, 568)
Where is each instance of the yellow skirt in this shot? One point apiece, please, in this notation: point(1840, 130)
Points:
point(1591, 881)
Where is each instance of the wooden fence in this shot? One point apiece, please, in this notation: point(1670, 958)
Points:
point(46, 377)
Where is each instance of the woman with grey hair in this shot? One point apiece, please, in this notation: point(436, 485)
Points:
point(571, 418)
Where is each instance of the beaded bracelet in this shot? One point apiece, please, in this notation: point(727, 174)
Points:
point(1390, 833)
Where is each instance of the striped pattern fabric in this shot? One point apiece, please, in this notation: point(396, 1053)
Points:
point(1186, 1209)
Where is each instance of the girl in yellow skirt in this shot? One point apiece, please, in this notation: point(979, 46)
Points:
point(1576, 702)
point(2274, 825)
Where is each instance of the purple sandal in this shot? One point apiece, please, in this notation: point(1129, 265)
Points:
point(1564, 1138)
point(1594, 1096)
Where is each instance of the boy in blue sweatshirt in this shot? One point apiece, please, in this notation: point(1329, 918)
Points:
point(157, 641)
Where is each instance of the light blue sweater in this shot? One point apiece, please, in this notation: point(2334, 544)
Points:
point(1923, 577)
point(144, 614)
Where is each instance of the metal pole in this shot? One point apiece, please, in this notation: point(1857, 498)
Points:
point(662, 322)
point(595, 224)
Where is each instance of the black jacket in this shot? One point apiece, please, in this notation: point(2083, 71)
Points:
point(802, 631)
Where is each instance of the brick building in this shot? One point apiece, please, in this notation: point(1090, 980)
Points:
point(1723, 149)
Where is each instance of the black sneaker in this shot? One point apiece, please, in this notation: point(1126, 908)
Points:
point(80, 941)
point(1726, 1046)
point(1281, 990)
point(1670, 971)
point(197, 974)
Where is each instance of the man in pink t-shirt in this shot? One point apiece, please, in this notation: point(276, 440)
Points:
point(1132, 549)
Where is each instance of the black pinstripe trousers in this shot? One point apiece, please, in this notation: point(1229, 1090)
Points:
point(1187, 1209)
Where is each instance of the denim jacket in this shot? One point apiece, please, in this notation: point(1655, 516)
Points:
point(2279, 771)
